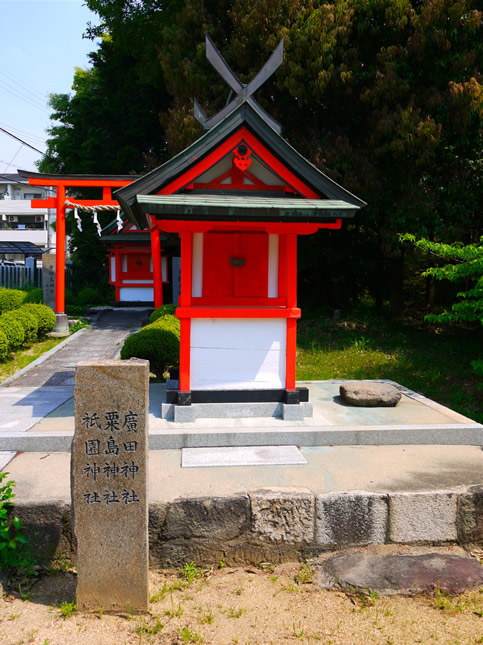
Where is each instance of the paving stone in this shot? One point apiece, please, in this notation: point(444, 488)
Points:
point(184, 414)
point(282, 515)
point(422, 517)
point(370, 395)
point(351, 518)
point(241, 456)
point(401, 573)
point(293, 412)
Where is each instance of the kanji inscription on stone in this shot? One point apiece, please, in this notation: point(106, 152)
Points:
point(109, 485)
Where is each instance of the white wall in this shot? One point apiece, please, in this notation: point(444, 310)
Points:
point(238, 353)
point(144, 294)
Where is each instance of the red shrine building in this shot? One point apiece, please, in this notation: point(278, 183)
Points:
point(238, 198)
point(130, 262)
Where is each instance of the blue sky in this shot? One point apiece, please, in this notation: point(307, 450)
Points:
point(40, 45)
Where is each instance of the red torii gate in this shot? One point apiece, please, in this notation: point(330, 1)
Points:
point(62, 183)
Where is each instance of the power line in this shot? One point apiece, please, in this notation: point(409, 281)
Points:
point(22, 141)
point(18, 94)
point(35, 94)
point(28, 135)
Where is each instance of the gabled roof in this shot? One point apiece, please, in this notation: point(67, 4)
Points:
point(243, 116)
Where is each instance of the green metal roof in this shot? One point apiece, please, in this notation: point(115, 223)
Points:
point(241, 207)
point(243, 115)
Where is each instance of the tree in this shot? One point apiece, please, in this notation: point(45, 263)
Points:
point(382, 95)
point(465, 267)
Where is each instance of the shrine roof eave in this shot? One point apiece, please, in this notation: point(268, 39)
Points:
point(73, 177)
point(243, 115)
point(241, 208)
point(128, 238)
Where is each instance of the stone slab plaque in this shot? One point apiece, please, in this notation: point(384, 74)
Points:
point(109, 485)
point(48, 279)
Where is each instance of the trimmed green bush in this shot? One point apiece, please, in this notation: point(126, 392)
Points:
point(29, 322)
point(45, 317)
point(88, 296)
point(13, 329)
point(162, 311)
point(157, 342)
point(11, 299)
point(4, 346)
point(34, 295)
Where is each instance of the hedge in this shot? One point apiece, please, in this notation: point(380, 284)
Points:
point(162, 311)
point(11, 299)
point(29, 322)
point(157, 342)
point(13, 329)
point(45, 317)
point(4, 346)
point(35, 294)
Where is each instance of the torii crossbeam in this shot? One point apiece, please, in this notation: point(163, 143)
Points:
point(243, 92)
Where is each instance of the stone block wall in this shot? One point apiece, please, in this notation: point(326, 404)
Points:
point(279, 524)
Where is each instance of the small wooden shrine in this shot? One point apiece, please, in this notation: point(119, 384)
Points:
point(238, 198)
point(130, 261)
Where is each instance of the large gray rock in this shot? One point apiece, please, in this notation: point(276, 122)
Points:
point(401, 573)
point(109, 485)
point(370, 395)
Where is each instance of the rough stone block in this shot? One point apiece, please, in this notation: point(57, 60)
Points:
point(184, 414)
point(218, 518)
point(109, 485)
point(48, 529)
point(351, 519)
point(470, 516)
point(293, 412)
point(422, 517)
point(282, 515)
point(369, 394)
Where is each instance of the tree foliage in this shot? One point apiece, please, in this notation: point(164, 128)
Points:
point(465, 267)
point(382, 95)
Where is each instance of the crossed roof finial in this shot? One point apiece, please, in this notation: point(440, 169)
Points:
point(243, 92)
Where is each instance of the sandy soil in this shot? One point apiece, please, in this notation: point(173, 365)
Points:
point(245, 606)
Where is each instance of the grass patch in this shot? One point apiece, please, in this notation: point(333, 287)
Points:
point(26, 355)
point(431, 360)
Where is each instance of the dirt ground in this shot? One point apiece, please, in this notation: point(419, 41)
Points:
point(267, 605)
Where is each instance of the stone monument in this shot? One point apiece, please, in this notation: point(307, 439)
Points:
point(109, 485)
point(48, 279)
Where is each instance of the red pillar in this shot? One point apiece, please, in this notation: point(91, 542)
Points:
point(60, 252)
point(291, 350)
point(185, 301)
point(157, 271)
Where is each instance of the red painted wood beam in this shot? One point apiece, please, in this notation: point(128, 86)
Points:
point(237, 312)
point(36, 181)
point(60, 252)
point(157, 271)
point(185, 301)
point(194, 226)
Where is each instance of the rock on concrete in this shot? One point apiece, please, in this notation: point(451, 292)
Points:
point(350, 519)
point(422, 517)
point(402, 573)
point(282, 515)
point(370, 395)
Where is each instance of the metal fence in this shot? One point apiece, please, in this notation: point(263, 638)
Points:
point(18, 277)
